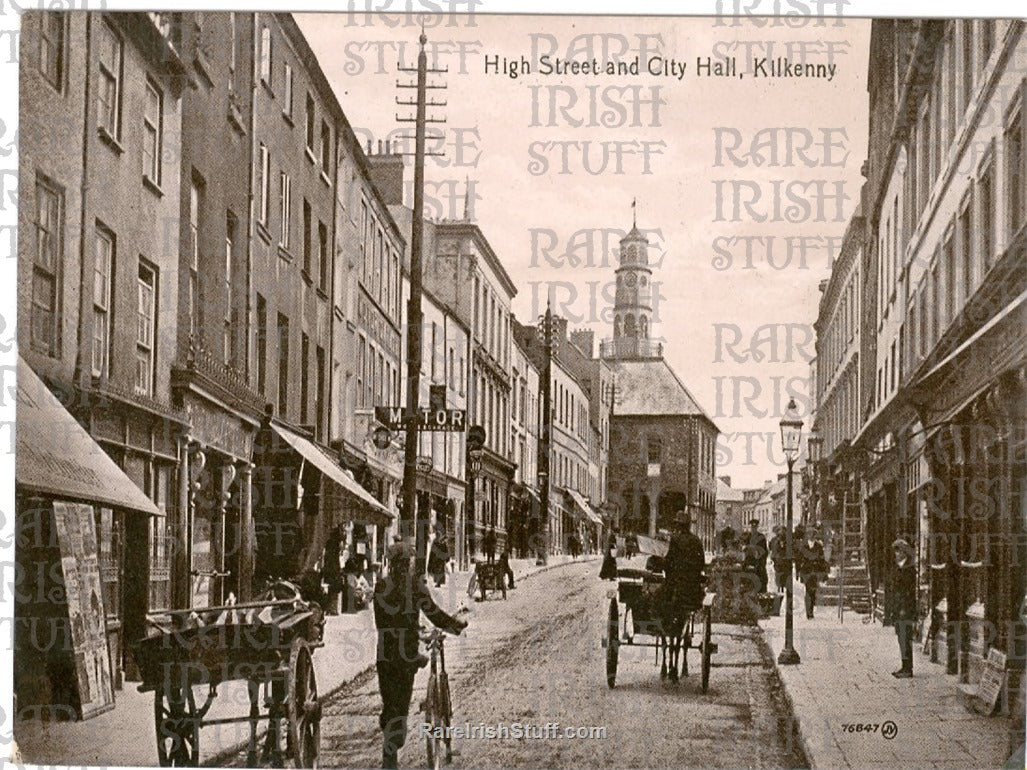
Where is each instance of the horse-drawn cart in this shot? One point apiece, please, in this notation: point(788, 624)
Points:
point(640, 606)
point(268, 644)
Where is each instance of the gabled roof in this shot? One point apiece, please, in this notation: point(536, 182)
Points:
point(728, 494)
point(650, 387)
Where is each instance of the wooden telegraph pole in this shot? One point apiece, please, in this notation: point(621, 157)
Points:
point(408, 520)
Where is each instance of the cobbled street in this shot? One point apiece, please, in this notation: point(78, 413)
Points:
point(537, 658)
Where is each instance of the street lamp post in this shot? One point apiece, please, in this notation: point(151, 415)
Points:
point(791, 431)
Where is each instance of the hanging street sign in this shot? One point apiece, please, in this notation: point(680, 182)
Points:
point(432, 420)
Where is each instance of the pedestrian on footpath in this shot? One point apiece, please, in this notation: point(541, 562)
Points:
point(779, 558)
point(756, 552)
point(399, 599)
point(438, 555)
point(811, 567)
point(490, 546)
point(608, 571)
point(504, 567)
point(904, 604)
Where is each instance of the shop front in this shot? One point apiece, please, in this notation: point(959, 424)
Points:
point(81, 553)
point(588, 526)
point(302, 498)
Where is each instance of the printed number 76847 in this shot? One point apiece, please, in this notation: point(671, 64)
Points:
point(861, 727)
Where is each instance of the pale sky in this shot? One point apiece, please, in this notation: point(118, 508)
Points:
point(502, 132)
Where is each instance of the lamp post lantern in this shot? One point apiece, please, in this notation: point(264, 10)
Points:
point(791, 432)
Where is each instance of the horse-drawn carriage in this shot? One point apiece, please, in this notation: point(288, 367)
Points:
point(643, 605)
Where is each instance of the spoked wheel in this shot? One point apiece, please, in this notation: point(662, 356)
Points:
point(612, 644)
point(446, 713)
point(302, 707)
point(433, 717)
point(178, 726)
point(629, 625)
point(707, 649)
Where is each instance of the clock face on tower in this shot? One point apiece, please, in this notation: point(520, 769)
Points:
point(632, 300)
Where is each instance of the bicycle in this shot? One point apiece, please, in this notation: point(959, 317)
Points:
point(437, 706)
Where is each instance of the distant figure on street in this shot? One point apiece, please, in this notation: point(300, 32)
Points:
point(574, 546)
point(779, 558)
point(504, 567)
point(399, 599)
point(755, 544)
point(725, 538)
point(438, 556)
point(904, 605)
point(609, 569)
point(811, 566)
point(490, 546)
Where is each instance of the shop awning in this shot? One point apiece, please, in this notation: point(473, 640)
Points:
point(57, 457)
point(324, 463)
point(584, 507)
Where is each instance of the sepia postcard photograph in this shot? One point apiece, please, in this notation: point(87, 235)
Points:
point(440, 384)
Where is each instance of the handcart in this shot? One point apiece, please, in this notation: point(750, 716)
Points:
point(268, 643)
point(489, 577)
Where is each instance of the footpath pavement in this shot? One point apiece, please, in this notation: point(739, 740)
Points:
point(125, 736)
point(844, 678)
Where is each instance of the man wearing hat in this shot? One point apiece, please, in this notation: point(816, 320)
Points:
point(904, 604)
point(755, 544)
point(684, 563)
point(399, 599)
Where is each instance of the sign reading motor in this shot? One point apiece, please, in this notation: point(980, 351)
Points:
point(445, 420)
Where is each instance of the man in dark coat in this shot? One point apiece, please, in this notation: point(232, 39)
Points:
point(683, 565)
point(811, 566)
point(608, 570)
point(490, 545)
point(904, 605)
point(779, 557)
point(438, 555)
point(755, 544)
point(505, 568)
point(399, 599)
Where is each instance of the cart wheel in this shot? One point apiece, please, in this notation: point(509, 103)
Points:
point(629, 625)
point(706, 651)
point(612, 644)
point(177, 726)
point(433, 717)
point(302, 707)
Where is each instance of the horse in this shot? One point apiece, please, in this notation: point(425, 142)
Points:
point(672, 614)
point(668, 614)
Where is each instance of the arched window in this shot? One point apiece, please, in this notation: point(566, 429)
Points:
point(643, 327)
point(616, 326)
point(629, 325)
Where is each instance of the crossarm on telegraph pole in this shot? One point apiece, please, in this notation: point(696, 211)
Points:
point(408, 518)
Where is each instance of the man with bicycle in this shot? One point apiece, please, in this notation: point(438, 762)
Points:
point(399, 599)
